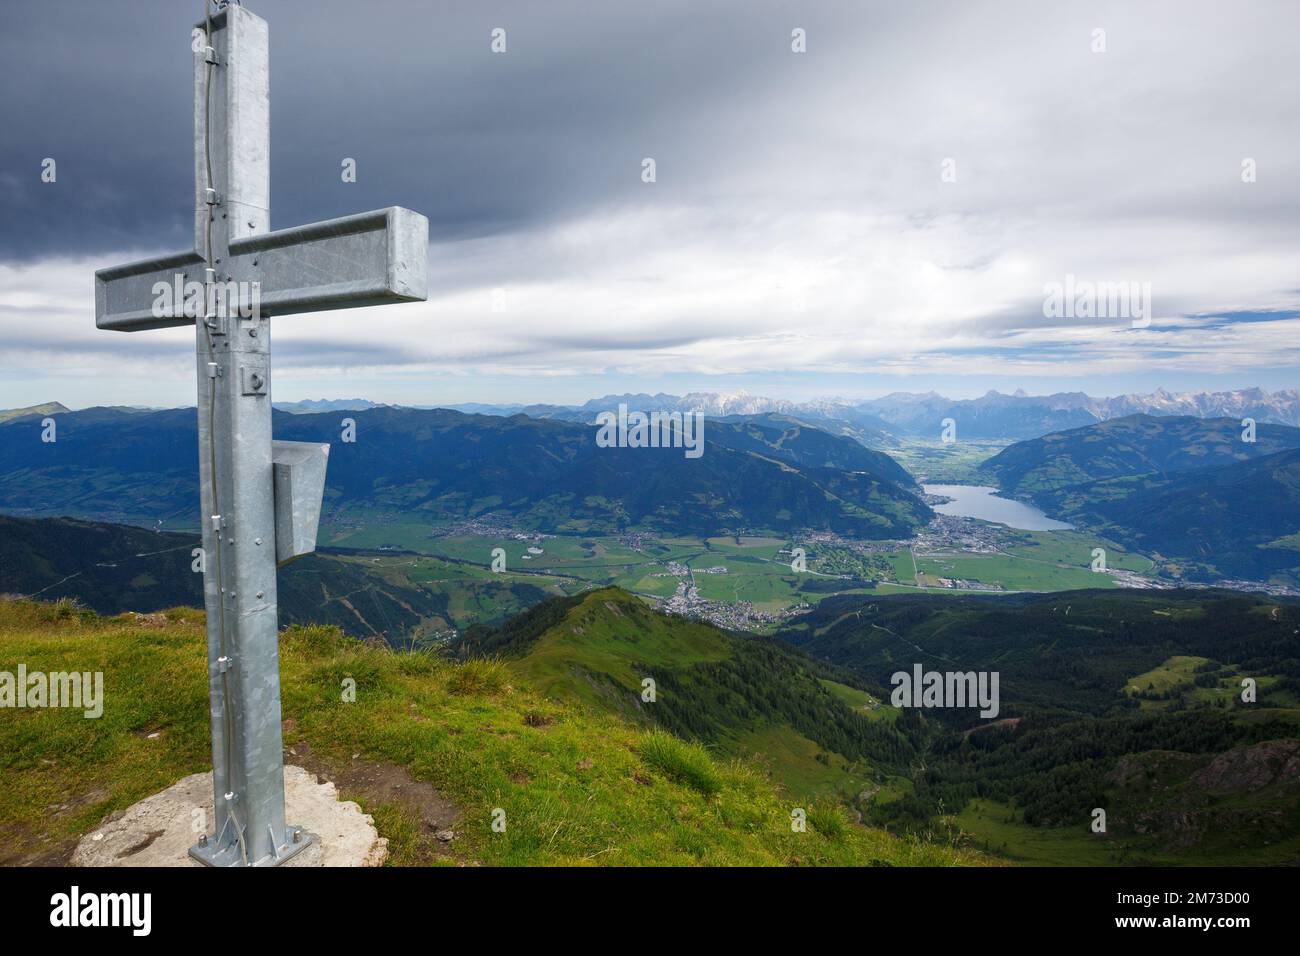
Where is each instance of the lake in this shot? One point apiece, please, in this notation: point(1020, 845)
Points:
point(977, 501)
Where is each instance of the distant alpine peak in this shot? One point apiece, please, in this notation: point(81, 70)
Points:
point(998, 414)
point(710, 403)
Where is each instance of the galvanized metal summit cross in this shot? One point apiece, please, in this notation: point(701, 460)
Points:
point(260, 499)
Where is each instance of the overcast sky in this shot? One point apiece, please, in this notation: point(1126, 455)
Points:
point(800, 239)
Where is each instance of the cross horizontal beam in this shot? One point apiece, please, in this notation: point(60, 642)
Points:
point(372, 258)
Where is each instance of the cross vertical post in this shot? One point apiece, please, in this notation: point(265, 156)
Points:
point(232, 135)
point(260, 499)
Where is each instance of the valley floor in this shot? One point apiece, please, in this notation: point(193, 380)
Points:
point(744, 582)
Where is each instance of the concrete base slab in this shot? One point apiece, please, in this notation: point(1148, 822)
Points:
point(159, 830)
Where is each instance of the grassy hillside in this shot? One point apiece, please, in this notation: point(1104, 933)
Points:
point(48, 408)
point(604, 642)
point(1126, 700)
point(1238, 521)
point(750, 696)
point(578, 785)
point(820, 445)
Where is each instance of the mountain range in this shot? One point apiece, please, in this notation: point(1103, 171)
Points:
point(542, 474)
point(878, 422)
point(994, 415)
point(1189, 491)
point(1019, 416)
point(1040, 468)
point(1192, 492)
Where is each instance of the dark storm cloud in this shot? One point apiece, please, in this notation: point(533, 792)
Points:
point(479, 142)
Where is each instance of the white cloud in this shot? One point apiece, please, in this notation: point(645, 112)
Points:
point(800, 224)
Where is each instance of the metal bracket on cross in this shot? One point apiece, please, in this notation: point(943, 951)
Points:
point(299, 485)
point(261, 500)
